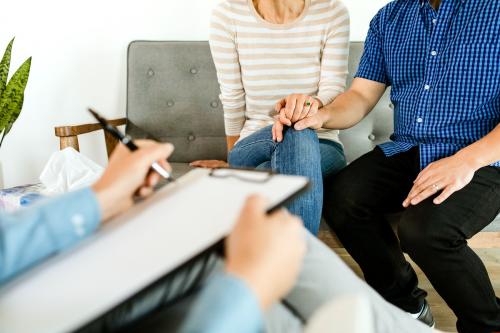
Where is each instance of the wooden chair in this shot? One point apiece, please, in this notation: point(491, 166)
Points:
point(68, 135)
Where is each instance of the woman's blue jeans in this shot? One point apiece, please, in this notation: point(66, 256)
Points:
point(300, 153)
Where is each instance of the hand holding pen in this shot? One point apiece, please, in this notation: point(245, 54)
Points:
point(128, 142)
point(128, 177)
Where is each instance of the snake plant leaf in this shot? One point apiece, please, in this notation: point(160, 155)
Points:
point(13, 118)
point(4, 67)
point(12, 99)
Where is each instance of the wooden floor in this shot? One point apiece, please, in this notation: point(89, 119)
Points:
point(445, 319)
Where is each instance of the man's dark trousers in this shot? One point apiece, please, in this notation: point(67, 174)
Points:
point(435, 236)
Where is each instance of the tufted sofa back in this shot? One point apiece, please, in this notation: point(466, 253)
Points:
point(173, 94)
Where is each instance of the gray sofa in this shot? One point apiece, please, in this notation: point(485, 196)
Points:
point(172, 93)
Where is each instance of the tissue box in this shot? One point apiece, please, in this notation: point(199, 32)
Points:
point(68, 170)
point(14, 198)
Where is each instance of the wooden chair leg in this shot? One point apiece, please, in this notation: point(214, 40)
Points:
point(69, 141)
point(111, 143)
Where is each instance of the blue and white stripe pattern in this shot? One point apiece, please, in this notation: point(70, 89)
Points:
point(444, 71)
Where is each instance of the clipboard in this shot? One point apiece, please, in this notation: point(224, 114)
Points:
point(136, 249)
point(233, 172)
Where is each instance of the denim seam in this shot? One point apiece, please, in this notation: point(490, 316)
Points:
point(274, 158)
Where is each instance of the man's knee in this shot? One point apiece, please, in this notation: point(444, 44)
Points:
point(423, 230)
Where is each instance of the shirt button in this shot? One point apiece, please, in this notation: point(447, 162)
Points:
point(434, 21)
point(427, 87)
point(420, 120)
point(434, 53)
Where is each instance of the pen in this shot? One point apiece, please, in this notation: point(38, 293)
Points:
point(128, 142)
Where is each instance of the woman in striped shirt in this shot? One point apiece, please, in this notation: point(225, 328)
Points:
point(288, 57)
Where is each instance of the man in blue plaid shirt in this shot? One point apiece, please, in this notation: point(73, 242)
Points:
point(441, 59)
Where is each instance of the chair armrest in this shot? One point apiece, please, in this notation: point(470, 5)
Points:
point(66, 131)
point(68, 135)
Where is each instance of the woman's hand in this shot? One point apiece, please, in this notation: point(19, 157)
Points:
point(209, 164)
point(296, 107)
point(277, 129)
point(314, 122)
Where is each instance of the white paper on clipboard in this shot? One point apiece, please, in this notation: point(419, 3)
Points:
point(134, 250)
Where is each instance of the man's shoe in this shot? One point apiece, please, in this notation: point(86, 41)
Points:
point(426, 316)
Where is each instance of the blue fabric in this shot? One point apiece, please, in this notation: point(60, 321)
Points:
point(300, 153)
point(444, 70)
point(225, 305)
point(50, 226)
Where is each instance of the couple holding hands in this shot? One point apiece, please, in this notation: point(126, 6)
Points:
point(282, 70)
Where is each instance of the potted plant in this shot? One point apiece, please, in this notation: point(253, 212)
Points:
point(11, 93)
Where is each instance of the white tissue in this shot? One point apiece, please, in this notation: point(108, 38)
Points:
point(68, 170)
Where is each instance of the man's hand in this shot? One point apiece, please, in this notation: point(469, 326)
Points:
point(313, 122)
point(448, 175)
point(296, 107)
point(266, 251)
point(209, 164)
point(128, 174)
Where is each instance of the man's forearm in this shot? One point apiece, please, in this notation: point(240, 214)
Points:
point(351, 107)
point(483, 152)
point(346, 111)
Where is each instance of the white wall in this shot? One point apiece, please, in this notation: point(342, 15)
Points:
point(79, 57)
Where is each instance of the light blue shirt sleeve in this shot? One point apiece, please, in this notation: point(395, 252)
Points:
point(225, 305)
point(35, 233)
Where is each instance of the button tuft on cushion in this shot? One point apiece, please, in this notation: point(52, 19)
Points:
point(151, 72)
point(194, 71)
point(191, 138)
point(214, 104)
point(371, 137)
point(170, 103)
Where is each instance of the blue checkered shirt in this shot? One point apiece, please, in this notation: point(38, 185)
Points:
point(444, 71)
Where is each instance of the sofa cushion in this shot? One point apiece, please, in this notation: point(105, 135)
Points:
point(173, 94)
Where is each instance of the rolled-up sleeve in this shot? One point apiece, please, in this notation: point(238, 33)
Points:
point(226, 305)
point(372, 65)
point(35, 233)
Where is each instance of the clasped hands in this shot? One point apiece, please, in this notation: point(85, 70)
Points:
point(297, 110)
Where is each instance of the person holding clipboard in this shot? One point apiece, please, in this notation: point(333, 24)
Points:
point(268, 258)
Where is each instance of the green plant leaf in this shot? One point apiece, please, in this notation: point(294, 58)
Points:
point(4, 67)
point(13, 118)
point(11, 101)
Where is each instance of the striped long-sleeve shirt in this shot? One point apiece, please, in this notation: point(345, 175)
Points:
point(259, 62)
